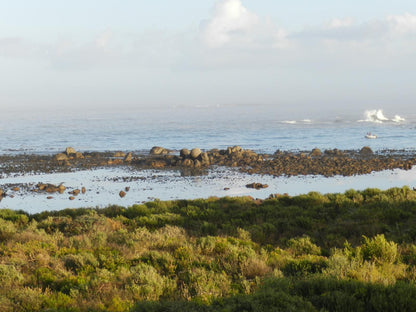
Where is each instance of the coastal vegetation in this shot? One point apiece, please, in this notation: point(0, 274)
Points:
point(354, 251)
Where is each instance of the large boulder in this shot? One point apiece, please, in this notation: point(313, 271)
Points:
point(316, 152)
point(195, 152)
point(70, 151)
point(158, 150)
point(184, 153)
point(366, 151)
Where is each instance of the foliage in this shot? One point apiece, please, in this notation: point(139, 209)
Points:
point(334, 252)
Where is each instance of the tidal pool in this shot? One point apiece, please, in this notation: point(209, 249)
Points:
point(103, 186)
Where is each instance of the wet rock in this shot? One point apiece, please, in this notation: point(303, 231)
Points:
point(83, 190)
point(1, 193)
point(195, 152)
point(158, 164)
point(128, 157)
point(16, 189)
point(127, 188)
point(256, 186)
point(75, 192)
point(70, 151)
point(226, 188)
point(197, 163)
point(184, 153)
point(78, 155)
point(205, 158)
point(61, 157)
point(71, 197)
point(366, 151)
point(119, 154)
point(158, 150)
point(122, 194)
point(187, 163)
point(61, 187)
point(49, 197)
point(316, 152)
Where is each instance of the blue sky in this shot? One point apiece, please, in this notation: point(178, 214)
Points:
point(283, 55)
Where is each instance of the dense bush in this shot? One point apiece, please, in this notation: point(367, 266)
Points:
point(334, 252)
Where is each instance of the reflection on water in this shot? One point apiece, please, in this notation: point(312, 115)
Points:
point(103, 186)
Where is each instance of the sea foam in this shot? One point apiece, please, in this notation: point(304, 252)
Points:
point(377, 116)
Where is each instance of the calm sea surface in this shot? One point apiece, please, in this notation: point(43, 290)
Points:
point(203, 128)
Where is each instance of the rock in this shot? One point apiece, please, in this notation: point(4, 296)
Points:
point(61, 157)
point(70, 151)
point(234, 149)
point(187, 162)
point(71, 197)
point(122, 194)
point(226, 188)
point(316, 152)
point(83, 190)
point(119, 154)
point(195, 152)
point(16, 189)
point(257, 186)
point(75, 192)
point(61, 187)
point(205, 158)
point(127, 188)
point(79, 155)
point(366, 151)
point(158, 164)
point(128, 157)
point(49, 197)
point(1, 193)
point(157, 150)
point(184, 153)
point(197, 163)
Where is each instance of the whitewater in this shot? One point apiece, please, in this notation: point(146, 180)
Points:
point(47, 133)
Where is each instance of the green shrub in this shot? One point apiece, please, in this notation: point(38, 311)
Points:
point(378, 249)
point(303, 246)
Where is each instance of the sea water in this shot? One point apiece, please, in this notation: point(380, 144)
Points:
point(206, 128)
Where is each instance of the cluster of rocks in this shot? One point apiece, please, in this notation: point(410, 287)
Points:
point(195, 158)
point(70, 153)
point(51, 188)
point(329, 163)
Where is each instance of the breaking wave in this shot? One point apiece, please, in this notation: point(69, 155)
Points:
point(377, 116)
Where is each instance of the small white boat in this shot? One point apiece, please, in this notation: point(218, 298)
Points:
point(370, 136)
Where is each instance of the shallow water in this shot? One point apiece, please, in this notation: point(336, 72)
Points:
point(103, 186)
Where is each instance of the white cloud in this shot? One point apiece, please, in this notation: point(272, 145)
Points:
point(233, 25)
point(402, 24)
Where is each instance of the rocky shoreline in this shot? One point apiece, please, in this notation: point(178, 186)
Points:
point(33, 175)
point(327, 163)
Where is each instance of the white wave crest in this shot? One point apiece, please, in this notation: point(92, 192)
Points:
point(374, 115)
point(398, 119)
point(377, 116)
point(289, 122)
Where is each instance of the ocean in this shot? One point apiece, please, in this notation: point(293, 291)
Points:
point(206, 128)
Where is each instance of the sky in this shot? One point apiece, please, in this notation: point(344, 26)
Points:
point(295, 56)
